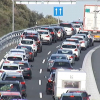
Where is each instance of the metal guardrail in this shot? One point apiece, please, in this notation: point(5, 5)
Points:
point(13, 37)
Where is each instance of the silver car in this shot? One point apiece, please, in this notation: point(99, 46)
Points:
point(53, 57)
point(68, 53)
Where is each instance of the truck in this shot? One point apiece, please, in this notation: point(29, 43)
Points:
point(91, 20)
point(66, 79)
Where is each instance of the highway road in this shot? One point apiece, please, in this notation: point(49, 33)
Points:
point(96, 66)
point(36, 86)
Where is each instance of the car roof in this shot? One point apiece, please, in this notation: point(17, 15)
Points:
point(77, 36)
point(80, 34)
point(43, 30)
point(83, 31)
point(61, 60)
point(67, 42)
point(10, 64)
point(10, 93)
point(17, 50)
point(13, 73)
point(71, 94)
point(24, 46)
point(28, 39)
point(20, 62)
point(58, 55)
point(71, 39)
point(56, 26)
point(47, 27)
point(32, 31)
point(10, 82)
point(15, 55)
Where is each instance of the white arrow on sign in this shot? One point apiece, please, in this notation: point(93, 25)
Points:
point(56, 11)
point(60, 11)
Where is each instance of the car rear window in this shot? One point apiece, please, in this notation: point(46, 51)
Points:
point(71, 98)
point(14, 58)
point(77, 26)
point(23, 65)
point(57, 57)
point(66, 25)
point(77, 38)
point(57, 29)
point(42, 32)
point(4, 87)
point(14, 78)
point(10, 97)
point(76, 41)
point(64, 52)
point(32, 37)
point(10, 67)
point(69, 46)
point(26, 42)
point(24, 47)
point(83, 33)
point(62, 64)
point(17, 51)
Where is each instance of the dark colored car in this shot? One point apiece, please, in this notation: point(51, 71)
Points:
point(49, 84)
point(37, 39)
point(28, 50)
point(52, 31)
point(26, 68)
point(12, 86)
point(64, 32)
point(14, 77)
point(61, 63)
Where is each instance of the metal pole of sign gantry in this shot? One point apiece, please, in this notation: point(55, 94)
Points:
point(12, 15)
point(58, 19)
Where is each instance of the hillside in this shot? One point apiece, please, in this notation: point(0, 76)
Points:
point(24, 18)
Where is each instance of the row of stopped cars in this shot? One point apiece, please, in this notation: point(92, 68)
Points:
point(65, 83)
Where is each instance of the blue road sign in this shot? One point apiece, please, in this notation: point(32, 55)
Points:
point(58, 11)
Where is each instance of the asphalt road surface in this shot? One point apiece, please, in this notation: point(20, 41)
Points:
point(96, 66)
point(36, 86)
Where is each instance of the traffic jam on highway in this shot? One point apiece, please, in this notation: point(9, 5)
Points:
point(64, 82)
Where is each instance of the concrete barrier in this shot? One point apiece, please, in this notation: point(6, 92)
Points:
point(91, 86)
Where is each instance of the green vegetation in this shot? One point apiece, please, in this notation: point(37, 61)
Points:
point(24, 18)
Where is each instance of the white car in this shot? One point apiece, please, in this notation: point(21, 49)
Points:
point(10, 67)
point(81, 40)
point(15, 57)
point(72, 46)
point(17, 51)
point(29, 42)
point(78, 27)
point(45, 36)
point(74, 40)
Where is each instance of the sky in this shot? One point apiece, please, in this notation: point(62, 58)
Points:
point(70, 12)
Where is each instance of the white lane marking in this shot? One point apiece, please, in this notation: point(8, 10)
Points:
point(40, 94)
point(39, 82)
point(40, 71)
point(49, 52)
point(43, 61)
point(58, 46)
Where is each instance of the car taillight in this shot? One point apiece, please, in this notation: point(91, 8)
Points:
point(79, 28)
point(38, 41)
point(52, 32)
point(34, 45)
point(23, 83)
point(27, 68)
point(60, 48)
point(75, 50)
point(53, 68)
point(30, 53)
point(72, 28)
point(49, 80)
point(58, 32)
point(1, 71)
point(48, 36)
point(21, 35)
point(83, 42)
point(19, 71)
point(88, 36)
point(71, 57)
point(19, 44)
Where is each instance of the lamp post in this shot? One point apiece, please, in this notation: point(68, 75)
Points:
point(12, 15)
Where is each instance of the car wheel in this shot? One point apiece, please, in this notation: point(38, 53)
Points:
point(35, 54)
point(30, 77)
point(47, 92)
point(77, 59)
point(93, 44)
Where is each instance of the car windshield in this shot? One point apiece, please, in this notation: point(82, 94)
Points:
point(66, 25)
point(71, 98)
point(26, 42)
point(24, 48)
point(14, 58)
point(23, 65)
point(10, 97)
point(32, 37)
point(77, 38)
point(14, 78)
point(64, 52)
point(17, 51)
point(62, 64)
point(57, 57)
point(4, 87)
point(76, 41)
point(10, 67)
point(69, 46)
point(42, 32)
